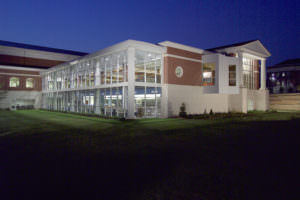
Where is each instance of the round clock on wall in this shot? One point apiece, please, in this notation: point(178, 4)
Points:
point(179, 71)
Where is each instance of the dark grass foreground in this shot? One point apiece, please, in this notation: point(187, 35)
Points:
point(62, 156)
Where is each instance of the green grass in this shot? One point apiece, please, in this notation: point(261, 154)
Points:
point(49, 153)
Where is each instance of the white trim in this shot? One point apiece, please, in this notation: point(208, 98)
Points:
point(181, 46)
point(15, 74)
point(266, 50)
point(21, 68)
point(248, 55)
point(125, 45)
point(181, 57)
point(245, 49)
point(112, 49)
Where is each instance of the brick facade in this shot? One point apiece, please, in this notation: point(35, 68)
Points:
point(6, 74)
point(192, 70)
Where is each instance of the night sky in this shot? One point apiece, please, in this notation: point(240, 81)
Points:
point(89, 26)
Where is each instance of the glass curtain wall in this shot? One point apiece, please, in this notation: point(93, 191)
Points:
point(89, 86)
point(147, 67)
point(99, 85)
point(147, 84)
point(147, 101)
point(250, 73)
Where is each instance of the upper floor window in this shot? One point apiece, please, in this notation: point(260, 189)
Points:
point(147, 67)
point(2, 81)
point(232, 75)
point(208, 74)
point(29, 83)
point(250, 73)
point(14, 82)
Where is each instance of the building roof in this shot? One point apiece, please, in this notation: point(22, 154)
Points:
point(287, 63)
point(40, 48)
point(231, 45)
point(181, 46)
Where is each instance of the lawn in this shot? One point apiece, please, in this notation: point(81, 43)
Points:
point(58, 155)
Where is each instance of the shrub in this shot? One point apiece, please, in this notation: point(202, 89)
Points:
point(182, 112)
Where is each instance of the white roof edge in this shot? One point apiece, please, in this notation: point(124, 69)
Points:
point(21, 68)
point(244, 47)
point(181, 46)
point(266, 50)
point(122, 45)
point(115, 47)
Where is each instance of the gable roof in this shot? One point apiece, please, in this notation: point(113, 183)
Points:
point(231, 45)
point(254, 47)
point(40, 48)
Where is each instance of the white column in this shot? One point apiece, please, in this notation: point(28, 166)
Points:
point(73, 101)
point(97, 103)
point(263, 74)
point(131, 79)
point(97, 73)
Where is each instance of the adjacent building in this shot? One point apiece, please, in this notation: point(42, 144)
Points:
point(20, 68)
point(284, 77)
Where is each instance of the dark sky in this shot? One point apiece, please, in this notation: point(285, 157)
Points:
point(92, 25)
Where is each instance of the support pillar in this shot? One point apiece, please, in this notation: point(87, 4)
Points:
point(263, 74)
point(131, 80)
point(97, 74)
point(240, 78)
point(97, 103)
point(73, 101)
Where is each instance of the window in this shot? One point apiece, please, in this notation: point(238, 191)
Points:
point(92, 79)
point(147, 67)
point(14, 82)
point(29, 83)
point(150, 72)
point(147, 101)
point(209, 70)
point(250, 73)
point(121, 73)
point(58, 83)
point(158, 64)
point(2, 81)
point(232, 75)
point(179, 71)
point(139, 72)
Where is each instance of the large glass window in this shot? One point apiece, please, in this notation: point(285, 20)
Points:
point(150, 72)
point(29, 83)
point(102, 75)
point(147, 67)
point(249, 66)
point(75, 80)
point(111, 101)
point(147, 101)
point(50, 82)
point(58, 83)
point(208, 75)
point(92, 79)
point(232, 75)
point(121, 73)
point(158, 67)
point(14, 82)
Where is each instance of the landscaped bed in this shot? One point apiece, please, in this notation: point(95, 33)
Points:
point(253, 156)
